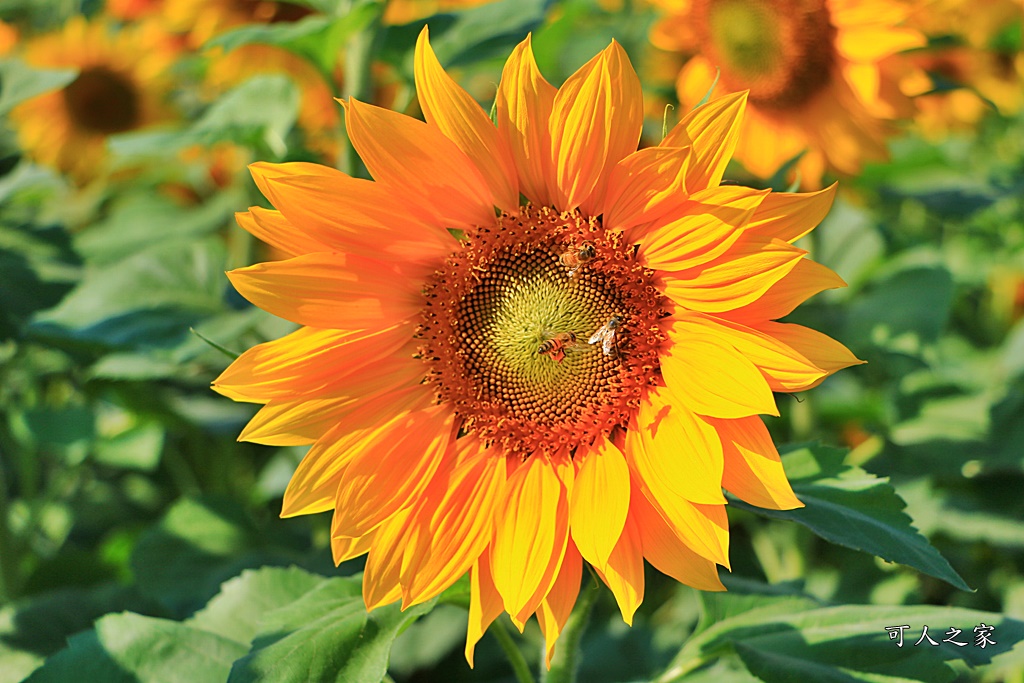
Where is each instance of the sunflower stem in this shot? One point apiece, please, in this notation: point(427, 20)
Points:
point(359, 54)
point(515, 657)
point(566, 659)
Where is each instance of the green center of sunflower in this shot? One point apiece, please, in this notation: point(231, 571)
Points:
point(103, 101)
point(509, 321)
point(782, 51)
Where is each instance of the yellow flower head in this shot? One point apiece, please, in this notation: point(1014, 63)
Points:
point(121, 86)
point(575, 377)
point(821, 74)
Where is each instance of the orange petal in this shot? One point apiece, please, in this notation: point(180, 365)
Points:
point(677, 449)
point(789, 216)
point(454, 522)
point(805, 280)
point(644, 186)
point(314, 485)
point(531, 529)
point(753, 469)
point(391, 469)
point(485, 603)
point(311, 362)
point(555, 609)
point(712, 130)
point(703, 528)
point(274, 229)
point(624, 573)
point(380, 577)
point(668, 553)
point(595, 122)
point(709, 224)
point(600, 501)
point(692, 85)
point(341, 291)
point(416, 160)
point(711, 378)
point(353, 215)
point(738, 277)
point(524, 104)
point(451, 109)
point(820, 349)
point(785, 369)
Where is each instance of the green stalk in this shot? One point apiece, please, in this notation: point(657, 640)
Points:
point(359, 54)
point(515, 657)
point(566, 659)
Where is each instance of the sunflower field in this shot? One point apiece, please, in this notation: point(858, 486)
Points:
point(417, 341)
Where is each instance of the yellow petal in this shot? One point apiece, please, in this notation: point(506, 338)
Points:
point(712, 129)
point(274, 229)
point(446, 105)
point(703, 528)
point(530, 535)
point(296, 422)
point(711, 222)
point(753, 469)
point(624, 573)
point(600, 501)
point(668, 553)
point(870, 44)
point(789, 216)
point(380, 577)
point(415, 159)
point(343, 549)
point(644, 186)
point(805, 280)
point(555, 609)
point(392, 469)
point(453, 522)
point(524, 104)
point(820, 349)
point(738, 277)
point(785, 369)
point(711, 378)
point(484, 603)
point(314, 485)
point(595, 122)
point(340, 291)
point(677, 449)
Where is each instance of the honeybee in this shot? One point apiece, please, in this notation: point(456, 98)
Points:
point(555, 346)
point(606, 335)
point(575, 258)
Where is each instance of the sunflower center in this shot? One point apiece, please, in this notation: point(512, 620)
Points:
point(782, 51)
point(509, 321)
point(102, 100)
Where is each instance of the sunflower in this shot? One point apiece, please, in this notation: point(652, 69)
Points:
point(120, 87)
point(822, 75)
point(510, 388)
point(406, 11)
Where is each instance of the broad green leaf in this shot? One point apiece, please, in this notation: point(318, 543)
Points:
point(132, 648)
point(236, 611)
point(782, 640)
point(19, 82)
point(853, 508)
point(37, 269)
point(325, 635)
point(34, 628)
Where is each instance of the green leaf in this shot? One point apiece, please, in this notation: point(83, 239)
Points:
point(855, 509)
point(37, 270)
point(19, 82)
point(137, 649)
point(236, 611)
point(325, 635)
point(782, 640)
